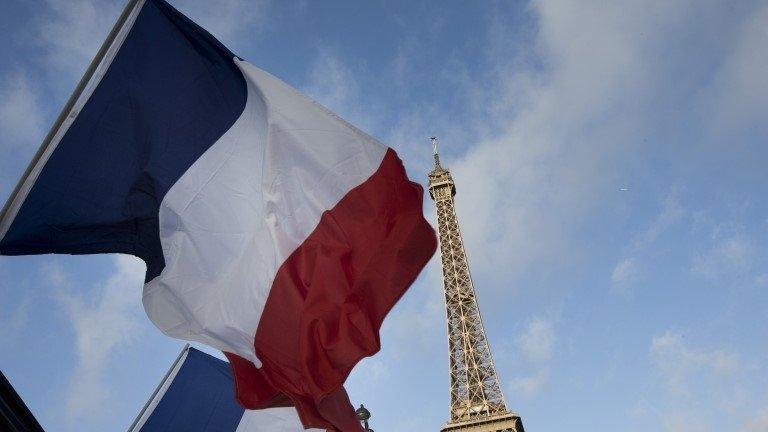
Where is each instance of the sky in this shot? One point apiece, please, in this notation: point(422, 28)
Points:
point(609, 160)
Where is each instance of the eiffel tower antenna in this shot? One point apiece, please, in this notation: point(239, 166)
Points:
point(434, 151)
point(477, 403)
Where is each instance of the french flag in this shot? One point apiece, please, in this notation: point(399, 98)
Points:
point(272, 229)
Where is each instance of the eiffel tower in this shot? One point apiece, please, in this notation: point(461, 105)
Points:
point(477, 404)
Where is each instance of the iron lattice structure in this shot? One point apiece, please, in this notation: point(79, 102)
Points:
point(477, 403)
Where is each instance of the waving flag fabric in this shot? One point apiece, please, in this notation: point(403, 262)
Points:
point(196, 396)
point(272, 229)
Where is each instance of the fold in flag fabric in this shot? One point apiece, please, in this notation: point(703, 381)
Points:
point(196, 396)
point(272, 229)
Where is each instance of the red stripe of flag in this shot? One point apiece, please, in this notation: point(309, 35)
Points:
point(329, 298)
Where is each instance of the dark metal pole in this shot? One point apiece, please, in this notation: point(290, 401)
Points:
point(14, 414)
point(159, 386)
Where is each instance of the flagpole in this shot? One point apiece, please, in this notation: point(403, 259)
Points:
point(67, 109)
point(159, 386)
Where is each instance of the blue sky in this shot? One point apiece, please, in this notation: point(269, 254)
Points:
point(606, 309)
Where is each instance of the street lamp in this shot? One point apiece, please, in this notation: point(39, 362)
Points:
point(363, 415)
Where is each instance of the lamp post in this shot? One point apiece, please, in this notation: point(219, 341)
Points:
point(363, 415)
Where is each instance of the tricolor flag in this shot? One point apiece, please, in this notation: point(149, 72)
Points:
point(196, 396)
point(272, 229)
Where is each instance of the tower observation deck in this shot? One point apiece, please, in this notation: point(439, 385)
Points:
point(477, 403)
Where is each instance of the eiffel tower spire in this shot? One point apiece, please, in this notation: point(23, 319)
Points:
point(477, 403)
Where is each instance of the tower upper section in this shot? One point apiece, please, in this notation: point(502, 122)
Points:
point(441, 184)
point(476, 396)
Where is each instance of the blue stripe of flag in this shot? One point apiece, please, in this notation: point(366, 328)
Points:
point(170, 92)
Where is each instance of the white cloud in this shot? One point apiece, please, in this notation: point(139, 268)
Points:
point(680, 363)
point(623, 276)
point(685, 421)
point(729, 255)
point(536, 344)
point(16, 321)
point(415, 322)
point(54, 274)
point(372, 369)
point(533, 184)
point(740, 96)
point(102, 326)
point(757, 424)
point(13, 323)
point(71, 31)
point(229, 20)
point(696, 381)
point(537, 341)
point(333, 84)
point(21, 118)
point(626, 272)
point(671, 213)
point(531, 385)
